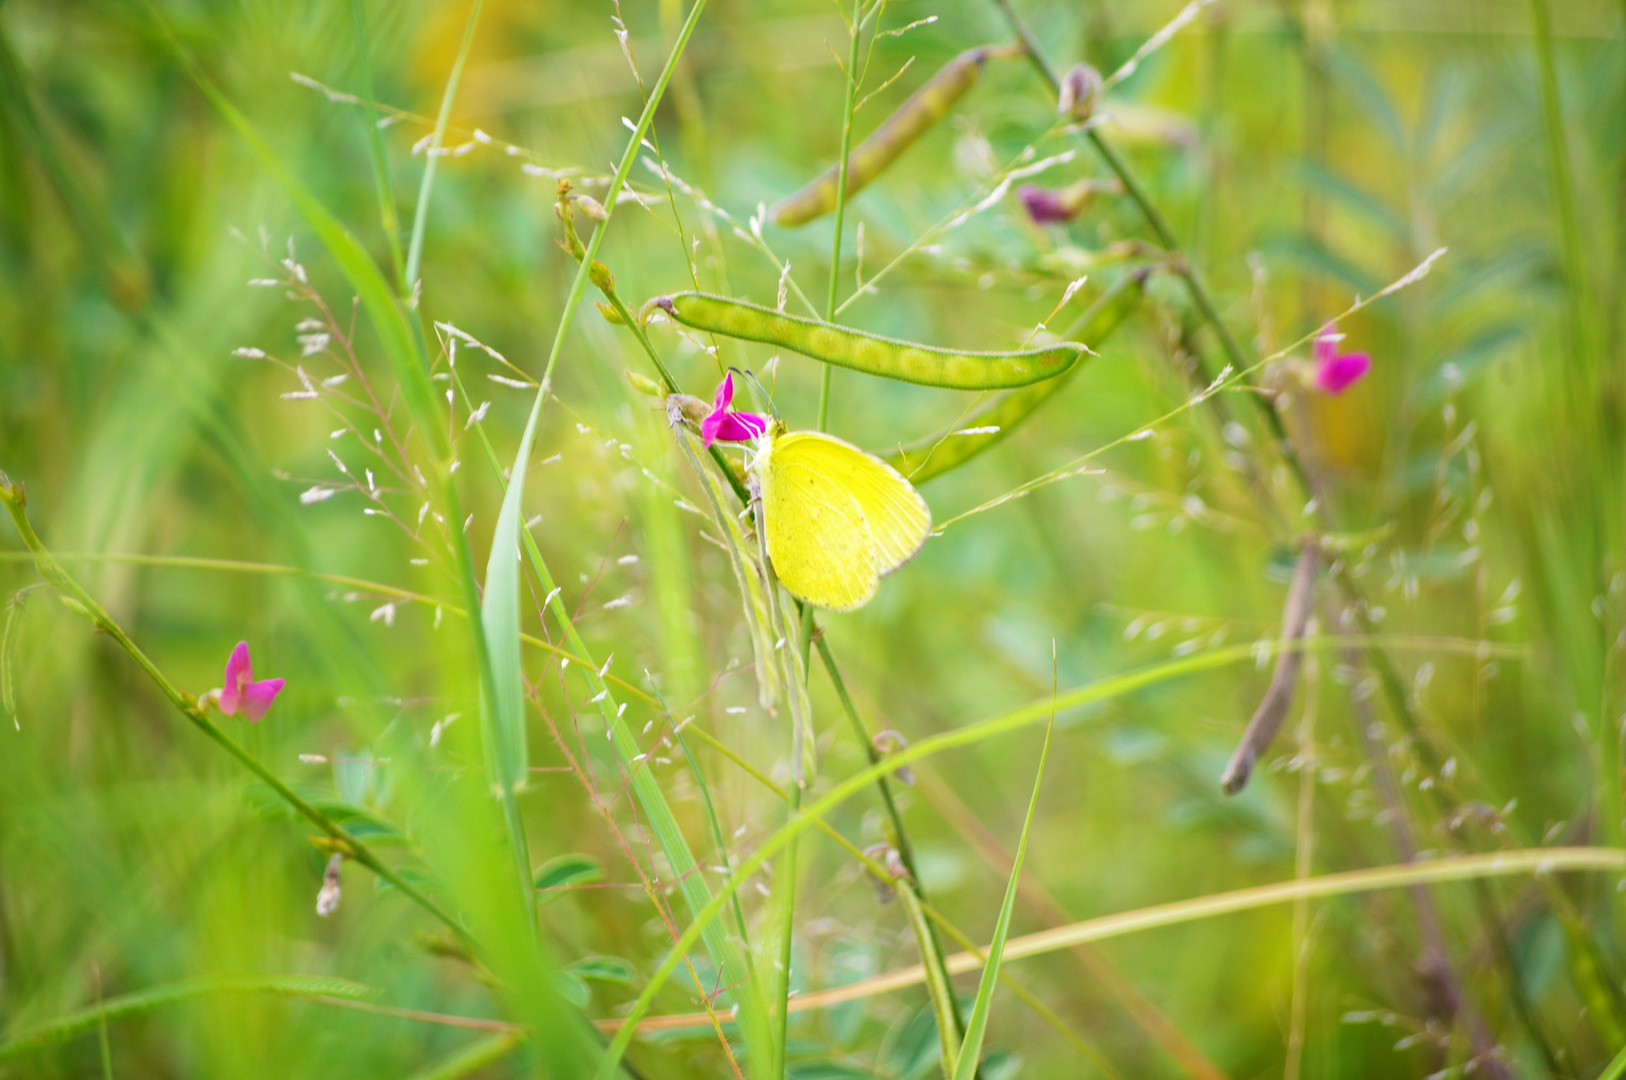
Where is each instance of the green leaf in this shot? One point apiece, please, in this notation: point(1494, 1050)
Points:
point(573, 989)
point(977, 1026)
point(605, 969)
point(563, 870)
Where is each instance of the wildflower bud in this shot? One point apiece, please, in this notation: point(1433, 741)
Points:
point(686, 407)
point(611, 316)
point(1078, 91)
point(887, 856)
point(1049, 206)
point(599, 275)
point(890, 742)
point(592, 208)
point(645, 385)
point(327, 901)
point(1335, 371)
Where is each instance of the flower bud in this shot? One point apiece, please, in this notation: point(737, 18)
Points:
point(887, 856)
point(890, 742)
point(1078, 90)
point(1051, 206)
point(327, 901)
point(592, 208)
point(645, 385)
point(681, 407)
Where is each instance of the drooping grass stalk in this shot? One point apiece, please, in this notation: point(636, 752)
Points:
point(16, 505)
point(375, 145)
point(420, 215)
point(43, 1036)
point(1435, 964)
point(1303, 867)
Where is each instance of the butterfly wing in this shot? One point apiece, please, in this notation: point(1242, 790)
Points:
point(895, 518)
point(818, 537)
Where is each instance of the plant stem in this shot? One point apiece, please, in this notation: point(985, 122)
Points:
point(420, 215)
point(16, 505)
point(1435, 964)
point(375, 147)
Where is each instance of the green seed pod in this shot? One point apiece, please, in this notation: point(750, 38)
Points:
point(921, 461)
point(645, 385)
point(913, 119)
point(905, 361)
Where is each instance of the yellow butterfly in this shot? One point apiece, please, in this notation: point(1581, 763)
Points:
point(836, 519)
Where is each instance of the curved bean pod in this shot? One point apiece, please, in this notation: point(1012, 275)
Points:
point(913, 119)
point(933, 456)
point(889, 358)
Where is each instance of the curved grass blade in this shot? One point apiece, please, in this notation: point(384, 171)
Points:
point(905, 361)
point(935, 455)
point(472, 1058)
point(1349, 882)
point(420, 215)
point(965, 1067)
point(938, 987)
point(897, 133)
point(63, 1028)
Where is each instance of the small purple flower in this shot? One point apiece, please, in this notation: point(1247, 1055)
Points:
point(242, 694)
point(722, 424)
point(1337, 371)
point(1044, 206)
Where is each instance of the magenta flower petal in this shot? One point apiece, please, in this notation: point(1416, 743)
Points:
point(241, 694)
point(239, 673)
point(1340, 372)
point(1326, 346)
point(725, 395)
point(723, 425)
point(257, 698)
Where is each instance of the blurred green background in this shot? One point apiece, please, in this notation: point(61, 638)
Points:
point(1305, 153)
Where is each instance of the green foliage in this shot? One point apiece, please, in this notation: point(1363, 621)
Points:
point(530, 641)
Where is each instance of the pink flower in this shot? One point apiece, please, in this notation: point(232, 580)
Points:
point(722, 424)
point(1044, 206)
point(1336, 372)
point(241, 693)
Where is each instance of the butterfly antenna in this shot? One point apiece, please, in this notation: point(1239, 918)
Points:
point(758, 391)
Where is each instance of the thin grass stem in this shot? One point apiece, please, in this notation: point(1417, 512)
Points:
point(420, 215)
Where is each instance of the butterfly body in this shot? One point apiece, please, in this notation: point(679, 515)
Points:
point(836, 519)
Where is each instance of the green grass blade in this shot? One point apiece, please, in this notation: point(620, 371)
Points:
point(375, 145)
point(420, 215)
point(388, 318)
point(472, 1058)
point(63, 1028)
point(977, 1026)
point(938, 986)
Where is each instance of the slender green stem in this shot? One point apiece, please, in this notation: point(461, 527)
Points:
point(189, 707)
point(375, 146)
point(841, 204)
point(420, 216)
